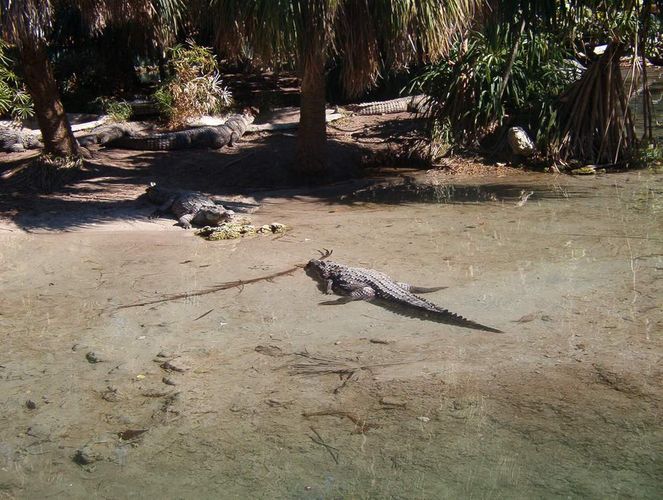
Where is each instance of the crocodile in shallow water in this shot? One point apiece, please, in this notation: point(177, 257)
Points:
point(357, 283)
point(189, 207)
point(201, 137)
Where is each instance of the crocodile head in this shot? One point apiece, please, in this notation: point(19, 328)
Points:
point(317, 269)
point(213, 216)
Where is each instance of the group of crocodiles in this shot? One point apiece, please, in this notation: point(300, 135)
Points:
point(201, 137)
point(354, 283)
point(190, 207)
point(213, 137)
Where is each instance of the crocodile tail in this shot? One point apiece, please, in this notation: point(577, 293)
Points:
point(459, 320)
point(430, 311)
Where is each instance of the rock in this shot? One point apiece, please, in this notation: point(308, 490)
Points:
point(30, 405)
point(168, 381)
point(520, 143)
point(110, 394)
point(174, 365)
point(393, 402)
point(423, 419)
point(227, 231)
point(93, 358)
point(85, 456)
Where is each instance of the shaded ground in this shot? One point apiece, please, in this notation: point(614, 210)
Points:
point(113, 180)
point(276, 396)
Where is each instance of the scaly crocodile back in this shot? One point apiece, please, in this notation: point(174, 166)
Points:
point(347, 279)
point(400, 105)
point(202, 137)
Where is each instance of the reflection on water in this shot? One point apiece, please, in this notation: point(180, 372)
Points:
point(260, 392)
point(655, 78)
point(408, 191)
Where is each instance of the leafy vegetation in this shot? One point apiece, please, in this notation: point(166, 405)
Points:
point(368, 37)
point(520, 67)
point(468, 101)
point(117, 110)
point(195, 87)
point(15, 102)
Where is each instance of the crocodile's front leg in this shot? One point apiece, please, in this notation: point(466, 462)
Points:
point(362, 293)
point(185, 220)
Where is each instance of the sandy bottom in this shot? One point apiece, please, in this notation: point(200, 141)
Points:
point(260, 392)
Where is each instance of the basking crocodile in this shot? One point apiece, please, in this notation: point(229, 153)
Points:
point(414, 104)
point(201, 137)
point(357, 283)
point(16, 140)
point(188, 206)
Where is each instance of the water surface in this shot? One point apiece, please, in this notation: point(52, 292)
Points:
point(282, 397)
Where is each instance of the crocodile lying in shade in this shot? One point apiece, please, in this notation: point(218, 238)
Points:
point(201, 137)
point(413, 104)
point(188, 206)
point(16, 140)
point(357, 283)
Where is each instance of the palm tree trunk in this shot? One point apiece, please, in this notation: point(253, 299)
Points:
point(312, 134)
point(55, 129)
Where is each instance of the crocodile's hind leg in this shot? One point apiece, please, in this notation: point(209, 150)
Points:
point(234, 138)
point(362, 293)
point(419, 289)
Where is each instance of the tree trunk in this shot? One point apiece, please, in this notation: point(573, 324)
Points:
point(55, 129)
point(312, 134)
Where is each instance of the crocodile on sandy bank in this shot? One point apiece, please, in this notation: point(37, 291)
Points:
point(16, 140)
point(357, 283)
point(413, 104)
point(200, 137)
point(188, 206)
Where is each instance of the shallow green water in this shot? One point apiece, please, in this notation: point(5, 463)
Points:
point(283, 398)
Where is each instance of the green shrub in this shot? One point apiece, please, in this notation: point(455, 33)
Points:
point(15, 102)
point(195, 87)
point(466, 104)
point(119, 111)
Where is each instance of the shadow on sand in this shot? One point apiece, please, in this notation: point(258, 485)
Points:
point(110, 186)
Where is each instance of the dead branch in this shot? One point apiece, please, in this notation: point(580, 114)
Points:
point(223, 286)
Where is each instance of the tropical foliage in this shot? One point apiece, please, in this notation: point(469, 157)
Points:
point(117, 110)
point(195, 87)
point(519, 66)
point(368, 37)
point(30, 25)
point(15, 102)
point(469, 96)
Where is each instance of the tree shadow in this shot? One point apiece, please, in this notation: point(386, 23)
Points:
point(110, 186)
